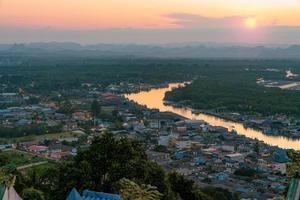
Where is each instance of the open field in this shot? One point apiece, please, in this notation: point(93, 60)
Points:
point(41, 137)
point(19, 159)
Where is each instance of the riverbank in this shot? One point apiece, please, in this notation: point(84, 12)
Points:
point(154, 99)
point(271, 125)
point(200, 148)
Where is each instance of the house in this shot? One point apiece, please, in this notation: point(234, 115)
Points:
point(241, 190)
point(197, 145)
point(183, 144)
point(218, 129)
point(69, 139)
point(70, 125)
point(178, 155)
point(279, 167)
point(108, 108)
point(194, 123)
point(158, 156)
point(59, 155)
point(81, 115)
point(184, 171)
point(181, 129)
point(222, 176)
point(37, 148)
point(200, 160)
point(164, 140)
point(280, 156)
point(60, 148)
point(23, 122)
point(111, 98)
point(227, 148)
point(6, 146)
point(209, 151)
point(91, 195)
point(161, 120)
point(236, 157)
point(26, 145)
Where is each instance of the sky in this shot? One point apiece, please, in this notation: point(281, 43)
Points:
point(150, 21)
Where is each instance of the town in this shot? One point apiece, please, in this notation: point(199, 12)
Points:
point(54, 127)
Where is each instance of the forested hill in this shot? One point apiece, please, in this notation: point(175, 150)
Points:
point(159, 51)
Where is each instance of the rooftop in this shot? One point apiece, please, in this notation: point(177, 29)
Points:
point(92, 195)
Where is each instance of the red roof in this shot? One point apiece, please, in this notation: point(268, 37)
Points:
point(37, 148)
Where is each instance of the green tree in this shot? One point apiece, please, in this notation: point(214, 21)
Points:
point(65, 107)
point(186, 188)
point(106, 162)
point(129, 190)
point(6, 178)
point(32, 194)
point(256, 148)
point(102, 166)
point(181, 185)
point(217, 193)
point(43, 178)
point(32, 100)
point(4, 160)
point(95, 108)
point(293, 168)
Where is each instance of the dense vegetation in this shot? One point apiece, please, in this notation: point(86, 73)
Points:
point(237, 96)
point(228, 85)
point(49, 73)
point(111, 165)
point(64, 71)
point(18, 159)
point(234, 89)
point(33, 129)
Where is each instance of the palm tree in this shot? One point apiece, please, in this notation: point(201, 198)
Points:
point(129, 190)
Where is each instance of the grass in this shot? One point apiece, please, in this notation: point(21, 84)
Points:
point(19, 158)
point(41, 137)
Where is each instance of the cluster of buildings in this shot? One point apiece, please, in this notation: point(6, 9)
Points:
point(54, 150)
point(279, 125)
point(210, 155)
point(27, 115)
point(213, 156)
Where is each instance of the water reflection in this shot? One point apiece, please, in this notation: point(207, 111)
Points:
point(154, 99)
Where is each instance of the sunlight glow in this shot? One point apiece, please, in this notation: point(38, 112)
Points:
point(250, 23)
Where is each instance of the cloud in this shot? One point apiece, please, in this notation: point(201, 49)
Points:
point(185, 20)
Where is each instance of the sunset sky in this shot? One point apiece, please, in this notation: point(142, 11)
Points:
point(147, 21)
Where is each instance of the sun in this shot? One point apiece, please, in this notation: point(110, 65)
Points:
point(250, 22)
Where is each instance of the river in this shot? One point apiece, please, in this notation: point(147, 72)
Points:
point(155, 99)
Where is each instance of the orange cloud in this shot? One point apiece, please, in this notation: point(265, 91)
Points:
point(94, 14)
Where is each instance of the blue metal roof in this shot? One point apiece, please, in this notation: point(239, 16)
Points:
point(91, 195)
point(74, 195)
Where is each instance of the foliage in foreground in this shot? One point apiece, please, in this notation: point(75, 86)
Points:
point(129, 190)
point(116, 166)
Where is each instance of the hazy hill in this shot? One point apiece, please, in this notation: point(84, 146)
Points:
point(160, 51)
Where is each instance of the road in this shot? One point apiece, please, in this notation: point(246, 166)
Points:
point(31, 165)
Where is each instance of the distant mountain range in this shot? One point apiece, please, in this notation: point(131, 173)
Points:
point(159, 51)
